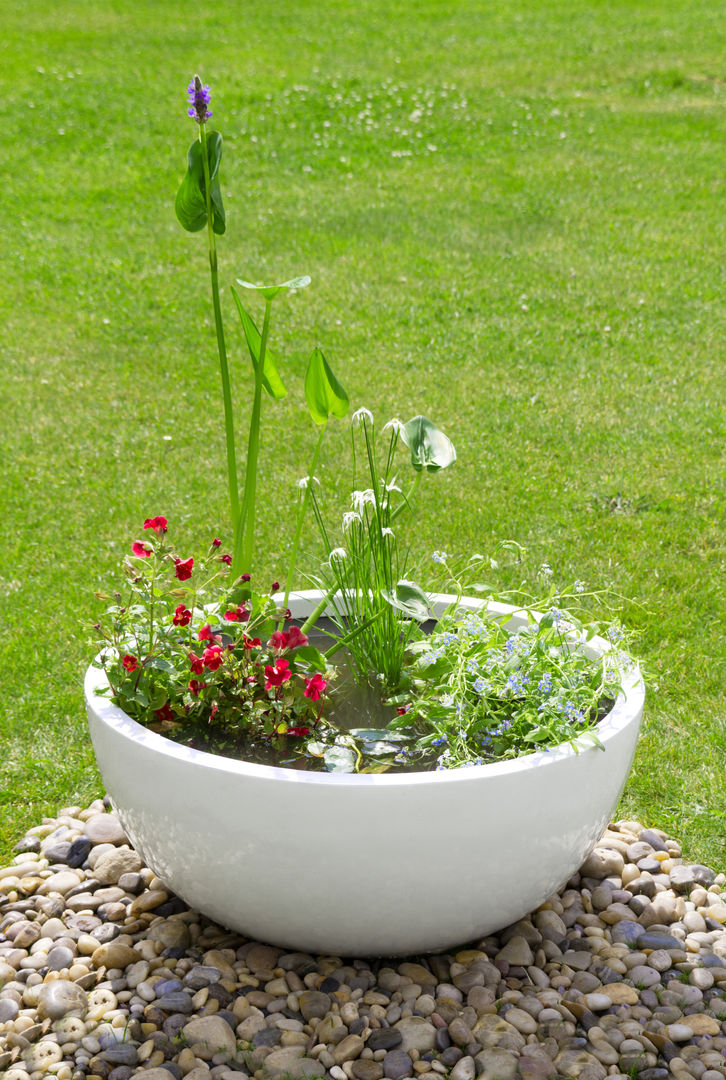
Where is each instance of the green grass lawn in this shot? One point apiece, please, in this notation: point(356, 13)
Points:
point(513, 219)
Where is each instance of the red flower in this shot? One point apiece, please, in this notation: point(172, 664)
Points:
point(130, 662)
point(292, 640)
point(205, 634)
point(158, 524)
point(182, 616)
point(278, 675)
point(196, 687)
point(216, 542)
point(402, 709)
point(315, 687)
point(245, 577)
point(213, 657)
point(164, 714)
point(250, 643)
point(237, 614)
point(274, 587)
point(141, 550)
point(196, 664)
point(184, 568)
point(226, 559)
point(298, 731)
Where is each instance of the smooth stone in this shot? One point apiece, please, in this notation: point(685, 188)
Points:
point(291, 1062)
point(27, 844)
point(603, 862)
point(62, 882)
point(261, 958)
point(535, 1065)
point(348, 1049)
point(644, 976)
point(60, 957)
point(124, 1053)
point(314, 1003)
point(384, 1039)
point(522, 1020)
point(113, 863)
point(702, 1024)
point(78, 852)
point(598, 1002)
point(104, 829)
point(416, 1034)
point(679, 1032)
point(465, 1069)
point(211, 1033)
point(496, 1064)
point(516, 952)
point(114, 955)
point(620, 993)
point(179, 1002)
point(703, 875)
point(58, 852)
point(659, 941)
point(61, 998)
point(573, 1063)
point(366, 1069)
point(201, 975)
point(9, 1009)
point(682, 879)
point(627, 933)
point(397, 1064)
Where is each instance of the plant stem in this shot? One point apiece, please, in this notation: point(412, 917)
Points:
point(244, 537)
point(301, 516)
point(221, 347)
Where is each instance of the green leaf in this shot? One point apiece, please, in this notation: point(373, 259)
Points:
point(340, 759)
point(191, 202)
point(323, 392)
point(430, 448)
point(313, 656)
point(270, 291)
point(271, 380)
point(378, 740)
point(409, 599)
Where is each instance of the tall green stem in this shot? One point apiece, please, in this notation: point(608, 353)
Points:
point(301, 517)
point(244, 538)
point(223, 366)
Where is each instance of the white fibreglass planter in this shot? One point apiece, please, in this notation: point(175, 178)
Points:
point(362, 865)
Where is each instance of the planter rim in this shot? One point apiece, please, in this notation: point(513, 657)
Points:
point(630, 699)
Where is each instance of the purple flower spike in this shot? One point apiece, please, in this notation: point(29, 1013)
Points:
point(198, 100)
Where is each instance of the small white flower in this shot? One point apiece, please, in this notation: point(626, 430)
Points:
point(361, 415)
point(393, 486)
point(337, 555)
point(359, 499)
point(386, 532)
point(350, 519)
point(395, 425)
point(545, 571)
point(305, 480)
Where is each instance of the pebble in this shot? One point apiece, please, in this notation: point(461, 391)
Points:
point(104, 974)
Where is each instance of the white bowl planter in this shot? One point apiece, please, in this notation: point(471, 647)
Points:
point(362, 865)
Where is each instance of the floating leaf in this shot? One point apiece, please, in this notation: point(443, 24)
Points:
point(340, 759)
point(270, 291)
point(430, 448)
point(191, 203)
point(409, 599)
point(271, 380)
point(323, 392)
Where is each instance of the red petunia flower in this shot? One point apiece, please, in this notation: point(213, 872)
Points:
point(196, 687)
point(216, 542)
point(205, 634)
point(250, 643)
point(315, 687)
point(182, 616)
point(237, 614)
point(164, 713)
point(402, 709)
point(158, 524)
point(130, 662)
point(213, 657)
point(196, 664)
point(298, 731)
point(141, 550)
point(226, 559)
point(183, 568)
point(278, 675)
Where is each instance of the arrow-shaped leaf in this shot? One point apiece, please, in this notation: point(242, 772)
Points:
point(191, 202)
point(409, 599)
point(270, 291)
point(430, 448)
point(323, 392)
point(271, 380)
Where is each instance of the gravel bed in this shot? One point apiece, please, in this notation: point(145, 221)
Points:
point(106, 974)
